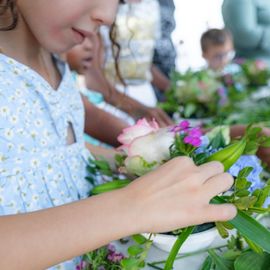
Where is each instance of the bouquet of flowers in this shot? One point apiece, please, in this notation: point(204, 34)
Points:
point(256, 71)
point(194, 94)
point(145, 146)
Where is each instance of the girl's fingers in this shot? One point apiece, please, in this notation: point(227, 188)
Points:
point(210, 169)
point(217, 184)
point(221, 212)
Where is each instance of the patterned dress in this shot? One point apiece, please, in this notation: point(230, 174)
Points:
point(38, 169)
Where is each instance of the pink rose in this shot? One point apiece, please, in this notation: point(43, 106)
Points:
point(141, 128)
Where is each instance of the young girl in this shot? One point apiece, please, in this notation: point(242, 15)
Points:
point(42, 153)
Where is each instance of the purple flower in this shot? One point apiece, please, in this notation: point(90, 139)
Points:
point(114, 256)
point(193, 137)
point(182, 126)
point(195, 141)
point(111, 248)
point(195, 132)
point(254, 177)
point(81, 266)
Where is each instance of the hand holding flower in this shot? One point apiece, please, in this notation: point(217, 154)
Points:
point(180, 195)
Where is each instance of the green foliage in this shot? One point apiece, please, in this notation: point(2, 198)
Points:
point(137, 253)
point(193, 94)
point(97, 258)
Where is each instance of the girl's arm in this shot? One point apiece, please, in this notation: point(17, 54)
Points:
point(102, 125)
point(175, 195)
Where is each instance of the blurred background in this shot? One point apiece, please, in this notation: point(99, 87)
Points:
point(201, 15)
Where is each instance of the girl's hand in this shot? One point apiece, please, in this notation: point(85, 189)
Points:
point(177, 195)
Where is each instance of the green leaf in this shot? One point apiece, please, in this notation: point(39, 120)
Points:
point(245, 202)
point(251, 148)
point(262, 195)
point(113, 185)
point(240, 183)
point(135, 250)
point(129, 264)
point(221, 263)
point(242, 193)
point(176, 247)
point(266, 143)
point(139, 239)
point(207, 264)
point(249, 228)
point(250, 261)
point(253, 133)
point(222, 230)
point(245, 172)
point(253, 246)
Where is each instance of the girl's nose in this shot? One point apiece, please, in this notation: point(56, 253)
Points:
point(105, 13)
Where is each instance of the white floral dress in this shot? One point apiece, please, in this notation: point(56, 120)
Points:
point(38, 169)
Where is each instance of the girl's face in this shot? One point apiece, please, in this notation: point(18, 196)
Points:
point(61, 24)
point(80, 57)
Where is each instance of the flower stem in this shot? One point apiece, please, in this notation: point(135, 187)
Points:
point(176, 247)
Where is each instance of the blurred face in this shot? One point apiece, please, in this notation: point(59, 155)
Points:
point(218, 57)
point(59, 25)
point(80, 57)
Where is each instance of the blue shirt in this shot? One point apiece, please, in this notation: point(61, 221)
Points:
point(38, 169)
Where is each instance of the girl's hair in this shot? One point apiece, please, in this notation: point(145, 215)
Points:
point(116, 49)
point(8, 7)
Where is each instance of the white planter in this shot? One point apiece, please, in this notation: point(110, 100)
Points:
point(195, 242)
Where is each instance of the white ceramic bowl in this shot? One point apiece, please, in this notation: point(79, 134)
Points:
point(195, 242)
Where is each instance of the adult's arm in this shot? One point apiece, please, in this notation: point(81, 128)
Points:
point(160, 80)
point(97, 81)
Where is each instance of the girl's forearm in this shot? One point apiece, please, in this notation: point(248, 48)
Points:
point(57, 234)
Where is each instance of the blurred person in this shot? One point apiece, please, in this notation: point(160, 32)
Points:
point(249, 23)
point(217, 48)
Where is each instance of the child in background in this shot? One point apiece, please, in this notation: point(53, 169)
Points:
point(43, 154)
point(217, 49)
point(87, 59)
point(82, 59)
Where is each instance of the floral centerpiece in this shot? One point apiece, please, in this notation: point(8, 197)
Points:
point(235, 82)
point(256, 71)
point(145, 146)
point(194, 94)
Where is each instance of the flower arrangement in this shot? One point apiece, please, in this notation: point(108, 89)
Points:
point(256, 71)
point(102, 259)
point(140, 154)
point(235, 82)
point(194, 94)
